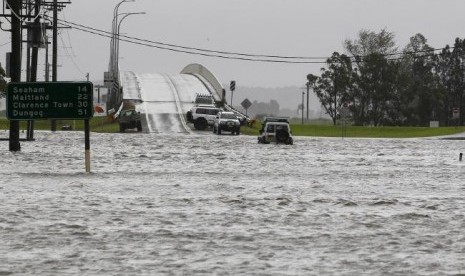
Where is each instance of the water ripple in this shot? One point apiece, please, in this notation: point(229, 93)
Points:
point(223, 205)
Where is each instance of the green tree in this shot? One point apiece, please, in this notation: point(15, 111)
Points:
point(424, 94)
point(332, 88)
point(377, 80)
point(370, 42)
point(2, 82)
point(399, 109)
point(385, 87)
point(374, 75)
point(449, 68)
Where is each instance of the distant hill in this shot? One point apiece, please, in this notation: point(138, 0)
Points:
point(263, 100)
point(289, 98)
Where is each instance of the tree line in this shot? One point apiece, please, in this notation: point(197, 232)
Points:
point(382, 85)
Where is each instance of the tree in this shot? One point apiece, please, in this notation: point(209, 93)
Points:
point(374, 76)
point(2, 82)
point(449, 66)
point(399, 109)
point(387, 87)
point(377, 79)
point(265, 109)
point(424, 94)
point(332, 88)
point(370, 42)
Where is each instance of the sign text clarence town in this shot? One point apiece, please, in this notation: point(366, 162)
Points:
point(49, 100)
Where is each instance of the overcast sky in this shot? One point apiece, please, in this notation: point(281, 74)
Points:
point(271, 27)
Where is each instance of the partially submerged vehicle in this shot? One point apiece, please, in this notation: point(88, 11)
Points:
point(226, 121)
point(202, 116)
point(129, 119)
point(277, 130)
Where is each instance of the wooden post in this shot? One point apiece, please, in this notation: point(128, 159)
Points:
point(87, 145)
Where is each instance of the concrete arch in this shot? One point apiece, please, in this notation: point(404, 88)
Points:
point(207, 77)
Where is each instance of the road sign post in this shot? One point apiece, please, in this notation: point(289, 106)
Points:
point(232, 87)
point(52, 100)
point(246, 104)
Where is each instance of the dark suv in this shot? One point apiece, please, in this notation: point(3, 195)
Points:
point(129, 118)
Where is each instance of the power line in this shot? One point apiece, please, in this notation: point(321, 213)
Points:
point(67, 34)
point(235, 55)
point(108, 35)
point(69, 52)
point(192, 48)
point(70, 55)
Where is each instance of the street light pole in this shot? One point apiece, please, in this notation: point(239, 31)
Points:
point(116, 75)
point(113, 32)
point(117, 37)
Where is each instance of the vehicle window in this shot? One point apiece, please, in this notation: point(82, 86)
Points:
point(228, 116)
point(270, 128)
point(281, 127)
point(213, 111)
point(200, 111)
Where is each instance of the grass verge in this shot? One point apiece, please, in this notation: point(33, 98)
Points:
point(362, 132)
point(105, 125)
point(97, 124)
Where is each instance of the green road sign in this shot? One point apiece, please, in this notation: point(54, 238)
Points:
point(49, 100)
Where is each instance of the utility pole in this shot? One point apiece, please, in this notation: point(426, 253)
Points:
point(309, 78)
point(36, 43)
point(37, 40)
point(308, 96)
point(303, 107)
point(15, 65)
point(47, 64)
point(55, 49)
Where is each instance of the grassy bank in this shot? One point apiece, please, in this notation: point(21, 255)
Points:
point(360, 131)
point(104, 125)
point(97, 124)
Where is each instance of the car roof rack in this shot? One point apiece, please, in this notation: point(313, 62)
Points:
point(204, 99)
point(205, 105)
point(276, 119)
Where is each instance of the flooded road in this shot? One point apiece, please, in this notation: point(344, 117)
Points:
point(225, 205)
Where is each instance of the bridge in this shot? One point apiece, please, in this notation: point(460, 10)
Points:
point(162, 99)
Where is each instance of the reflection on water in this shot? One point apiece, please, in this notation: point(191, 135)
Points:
point(204, 204)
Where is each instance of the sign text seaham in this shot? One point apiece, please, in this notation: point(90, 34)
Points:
point(28, 90)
